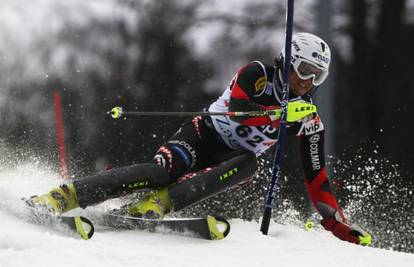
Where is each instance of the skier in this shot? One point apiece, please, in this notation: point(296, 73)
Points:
point(211, 154)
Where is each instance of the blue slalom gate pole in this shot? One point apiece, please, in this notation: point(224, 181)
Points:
point(271, 191)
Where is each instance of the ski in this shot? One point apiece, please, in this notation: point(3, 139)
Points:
point(210, 227)
point(73, 225)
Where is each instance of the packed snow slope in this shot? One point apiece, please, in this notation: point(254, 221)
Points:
point(23, 244)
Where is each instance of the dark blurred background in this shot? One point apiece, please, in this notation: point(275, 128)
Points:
point(174, 55)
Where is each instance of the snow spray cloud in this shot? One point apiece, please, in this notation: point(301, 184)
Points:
point(372, 190)
point(376, 195)
point(22, 174)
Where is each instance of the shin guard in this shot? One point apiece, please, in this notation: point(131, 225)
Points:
point(117, 182)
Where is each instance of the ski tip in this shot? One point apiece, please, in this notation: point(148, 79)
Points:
point(84, 227)
point(218, 226)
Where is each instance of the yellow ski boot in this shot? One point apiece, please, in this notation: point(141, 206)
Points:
point(152, 206)
point(57, 201)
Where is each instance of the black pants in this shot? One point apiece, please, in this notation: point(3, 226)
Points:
point(195, 164)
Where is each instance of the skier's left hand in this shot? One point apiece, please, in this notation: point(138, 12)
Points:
point(348, 232)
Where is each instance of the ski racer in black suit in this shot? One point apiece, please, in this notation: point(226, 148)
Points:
point(211, 154)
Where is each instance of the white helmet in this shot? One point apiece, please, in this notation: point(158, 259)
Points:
point(311, 57)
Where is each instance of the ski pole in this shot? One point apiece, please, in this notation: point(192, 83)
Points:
point(118, 112)
point(297, 111)
point(271, 191)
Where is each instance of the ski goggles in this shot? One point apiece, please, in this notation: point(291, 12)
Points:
point(306, 70)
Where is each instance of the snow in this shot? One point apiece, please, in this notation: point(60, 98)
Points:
point(29, 245)
point(25, 244)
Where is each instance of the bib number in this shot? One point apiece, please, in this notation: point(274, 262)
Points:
point(244, 132)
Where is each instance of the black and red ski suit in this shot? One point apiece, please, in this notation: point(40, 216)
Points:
point(208, 141)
